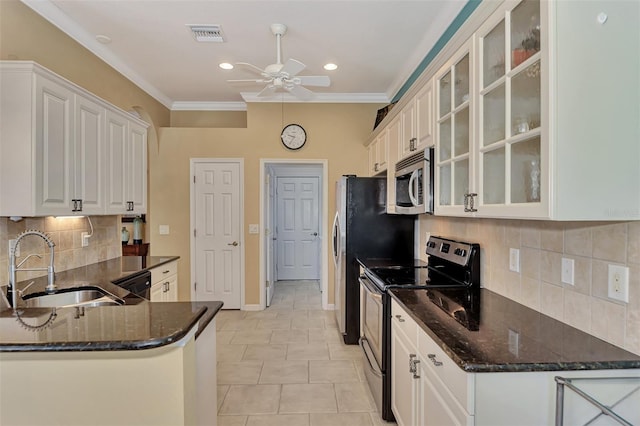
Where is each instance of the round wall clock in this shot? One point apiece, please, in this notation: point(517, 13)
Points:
point(293, 136)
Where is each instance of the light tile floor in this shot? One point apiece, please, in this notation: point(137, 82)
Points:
point(287, 365)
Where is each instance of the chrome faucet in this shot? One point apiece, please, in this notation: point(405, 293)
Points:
point(13, 268)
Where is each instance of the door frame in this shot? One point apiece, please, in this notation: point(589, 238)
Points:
point(192, 221)
point(324, 217)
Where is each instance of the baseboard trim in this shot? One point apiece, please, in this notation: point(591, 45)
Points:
point(251, 307)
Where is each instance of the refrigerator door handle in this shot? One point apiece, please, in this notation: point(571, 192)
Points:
point(336, 238)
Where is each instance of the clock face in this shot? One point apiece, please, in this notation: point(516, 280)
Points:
point(293, 136)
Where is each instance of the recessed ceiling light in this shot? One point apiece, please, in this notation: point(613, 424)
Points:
point(226, 66)
point(103, 39)
point(330, 67)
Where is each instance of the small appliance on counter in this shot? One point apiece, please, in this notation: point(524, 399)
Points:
point(363, 230)
point(451, 279)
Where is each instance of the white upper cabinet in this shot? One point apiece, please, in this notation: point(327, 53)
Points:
point(54, 141)
point(417, 122)
point(553, 115)
point(378, 151)
point(454, 133)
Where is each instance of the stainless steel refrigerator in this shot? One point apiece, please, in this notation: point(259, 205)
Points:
point(362, 229)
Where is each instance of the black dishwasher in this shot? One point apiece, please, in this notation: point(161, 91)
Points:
point(139, 284)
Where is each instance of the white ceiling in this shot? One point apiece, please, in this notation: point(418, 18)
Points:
point(376, 44)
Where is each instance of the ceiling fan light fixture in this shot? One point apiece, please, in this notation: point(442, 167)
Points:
point(330, 66)
point(226, 66)
point(207, 33)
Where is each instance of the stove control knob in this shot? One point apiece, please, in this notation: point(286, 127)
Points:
point(460, 252)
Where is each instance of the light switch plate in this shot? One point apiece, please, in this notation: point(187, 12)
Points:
point(254, 228)
point(619, 283)
point(514, 260)
point(514, 342)
point(163, 229)
point(568, 271)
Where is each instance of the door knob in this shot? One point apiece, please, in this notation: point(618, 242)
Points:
point(235, 243)
point(315, 234)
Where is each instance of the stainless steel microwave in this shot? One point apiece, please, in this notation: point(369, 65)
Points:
point(414, 183)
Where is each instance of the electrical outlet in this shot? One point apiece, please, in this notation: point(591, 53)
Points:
point(568, 271)
point(514, 342)
point(254, 228)
point(514, 260)
point(84, 239)
point(619, 283)
point(12, 243)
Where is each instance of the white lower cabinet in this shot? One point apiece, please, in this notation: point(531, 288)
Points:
point(164, 282)
point(430, 389)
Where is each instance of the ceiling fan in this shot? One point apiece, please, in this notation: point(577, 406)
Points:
point(279, 76)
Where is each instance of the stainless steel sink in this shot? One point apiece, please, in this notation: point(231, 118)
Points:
point(78, 296)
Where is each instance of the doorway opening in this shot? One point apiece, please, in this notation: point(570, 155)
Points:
point(293, 217)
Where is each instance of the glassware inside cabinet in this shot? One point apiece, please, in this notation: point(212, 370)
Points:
point(445, 95)
point(493, 55)
point(445, 185)
point(493, 171)
point(525, 31)
point(461, 182)
point(493, 124)
point(525, 100)
point(461, 132)
point(445, 139)
point(461, 90)
point(525, 171)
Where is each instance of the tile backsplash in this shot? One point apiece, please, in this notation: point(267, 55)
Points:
point(592, 245)
point(65, 232)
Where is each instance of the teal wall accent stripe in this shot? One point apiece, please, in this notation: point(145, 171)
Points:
point(466, 11)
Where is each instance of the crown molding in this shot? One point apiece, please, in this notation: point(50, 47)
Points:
point(208, 106)
point(51, 13)
point(327, 98)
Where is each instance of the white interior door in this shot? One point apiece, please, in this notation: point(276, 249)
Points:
point(297, 228)
point(217, 190)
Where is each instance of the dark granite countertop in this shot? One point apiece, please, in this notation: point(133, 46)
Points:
point(538, 342)
point(139, 324)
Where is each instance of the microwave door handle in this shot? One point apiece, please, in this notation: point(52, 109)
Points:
point(412, 184)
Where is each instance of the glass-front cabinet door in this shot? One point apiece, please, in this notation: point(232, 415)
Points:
point(454, 134)
point(511, 162)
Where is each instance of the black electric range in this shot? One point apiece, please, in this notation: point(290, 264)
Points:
point(451, 278)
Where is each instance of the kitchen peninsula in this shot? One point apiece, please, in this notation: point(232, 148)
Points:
point(138, 363)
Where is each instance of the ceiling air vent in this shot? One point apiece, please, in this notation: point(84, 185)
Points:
point(207, 33)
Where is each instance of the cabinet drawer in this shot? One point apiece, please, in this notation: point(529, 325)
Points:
point(404, 322)
point(162, 272)
point(459, 382)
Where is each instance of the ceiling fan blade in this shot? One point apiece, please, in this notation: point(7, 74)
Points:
point(314, 80)
point(300, 92)
point(240, 82)
point(267, 91)
point(251, 67)
point(292, 67)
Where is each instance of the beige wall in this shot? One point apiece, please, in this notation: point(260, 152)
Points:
point(24, 35)
point(224, 119)
point(542, 246)
point(335, 133)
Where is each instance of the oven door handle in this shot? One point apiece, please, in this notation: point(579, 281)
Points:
point(370, 288)
point(366, 349)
